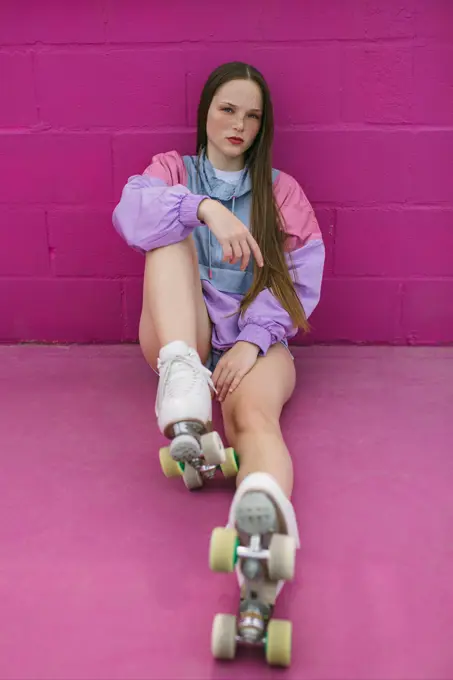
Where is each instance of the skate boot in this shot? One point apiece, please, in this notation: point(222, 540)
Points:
point(184, 415)
point(260, 544)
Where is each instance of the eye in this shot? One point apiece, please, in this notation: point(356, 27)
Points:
point(255, 115)
point(227, 109)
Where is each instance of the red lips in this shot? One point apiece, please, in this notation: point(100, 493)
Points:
point(235, 140)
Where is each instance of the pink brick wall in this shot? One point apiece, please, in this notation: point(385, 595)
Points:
point(363, 92)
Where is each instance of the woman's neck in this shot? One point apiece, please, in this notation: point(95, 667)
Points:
point(221, 162)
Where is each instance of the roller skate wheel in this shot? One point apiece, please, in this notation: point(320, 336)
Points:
point(222, 549)
point(223, 636)
point(282, 557)
point(230, 466)
point(192, 478)
point(212, 447)
point(170, 467)
point(278, 642)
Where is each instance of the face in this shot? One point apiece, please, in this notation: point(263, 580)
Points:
point(234, 120)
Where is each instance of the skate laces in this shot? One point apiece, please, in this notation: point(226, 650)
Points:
point(180, 375)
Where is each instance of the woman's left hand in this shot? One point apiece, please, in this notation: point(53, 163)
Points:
point(233, 366)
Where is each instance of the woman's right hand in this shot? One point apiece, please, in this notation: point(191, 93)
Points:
point(234, 237)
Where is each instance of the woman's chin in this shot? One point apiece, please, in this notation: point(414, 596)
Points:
point(233, 151)
point(227, 151)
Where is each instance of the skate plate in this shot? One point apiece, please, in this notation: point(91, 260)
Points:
point(196, 455)
point(263, 561)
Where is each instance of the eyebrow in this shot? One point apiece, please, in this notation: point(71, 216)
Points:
point(234, 105)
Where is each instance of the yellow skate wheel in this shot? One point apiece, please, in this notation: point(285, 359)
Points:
point(170, 467)
point(278, 642)
point(282, 557)
point(222, 549)
point(230, 466)
point(223, 636)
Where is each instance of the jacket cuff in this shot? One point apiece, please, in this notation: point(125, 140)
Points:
point(257, 335)
point(188, 209)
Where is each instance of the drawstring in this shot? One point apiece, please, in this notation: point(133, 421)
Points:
point(210, 260)
point(210, 269)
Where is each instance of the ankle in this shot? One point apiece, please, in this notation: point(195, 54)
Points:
point(182, 344)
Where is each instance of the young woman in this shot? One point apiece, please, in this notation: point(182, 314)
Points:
point(234, 262)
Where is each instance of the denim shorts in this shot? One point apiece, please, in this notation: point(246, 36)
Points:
point(214, 357)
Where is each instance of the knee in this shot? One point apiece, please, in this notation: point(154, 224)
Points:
point(247, 418)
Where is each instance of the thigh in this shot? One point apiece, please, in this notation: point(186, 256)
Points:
point(263, 392)
point(149, 342)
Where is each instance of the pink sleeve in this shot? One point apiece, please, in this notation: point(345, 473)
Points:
point(299, 219)
point(266, 322)
point(168, 167)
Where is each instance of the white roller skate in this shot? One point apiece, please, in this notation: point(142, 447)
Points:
point(184, 415)
point(260, 544)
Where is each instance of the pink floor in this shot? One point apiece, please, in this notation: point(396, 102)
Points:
point(103, 562)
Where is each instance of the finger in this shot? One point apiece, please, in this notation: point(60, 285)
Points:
point(226, 386)
point(237, 250)
point(236, 382)
point(227, 251)
point(216, 373)
point(245, 254)
point(222, 377)
point(223, 372)
point(255, 250)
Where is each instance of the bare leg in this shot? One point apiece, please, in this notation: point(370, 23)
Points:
point(252, 414)
point(261, 506)
point(173, 305)
point(265, 452)
point(175, 337)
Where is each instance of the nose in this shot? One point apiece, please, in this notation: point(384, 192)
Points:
point(239, 124)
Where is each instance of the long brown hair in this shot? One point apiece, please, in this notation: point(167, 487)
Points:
point(266, 224)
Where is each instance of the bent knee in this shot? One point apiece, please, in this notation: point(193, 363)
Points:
point(245, 418)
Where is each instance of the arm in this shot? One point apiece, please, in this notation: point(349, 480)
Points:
point(156, 208)
point(266, 322)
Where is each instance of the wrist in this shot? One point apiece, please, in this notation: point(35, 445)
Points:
point(256, 347)
point(258, 335)
point(205, 208)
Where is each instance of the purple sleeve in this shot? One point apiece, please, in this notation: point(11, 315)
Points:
point(266, 322)
point(152, 214)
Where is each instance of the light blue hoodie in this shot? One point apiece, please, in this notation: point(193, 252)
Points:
point(160, 207)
